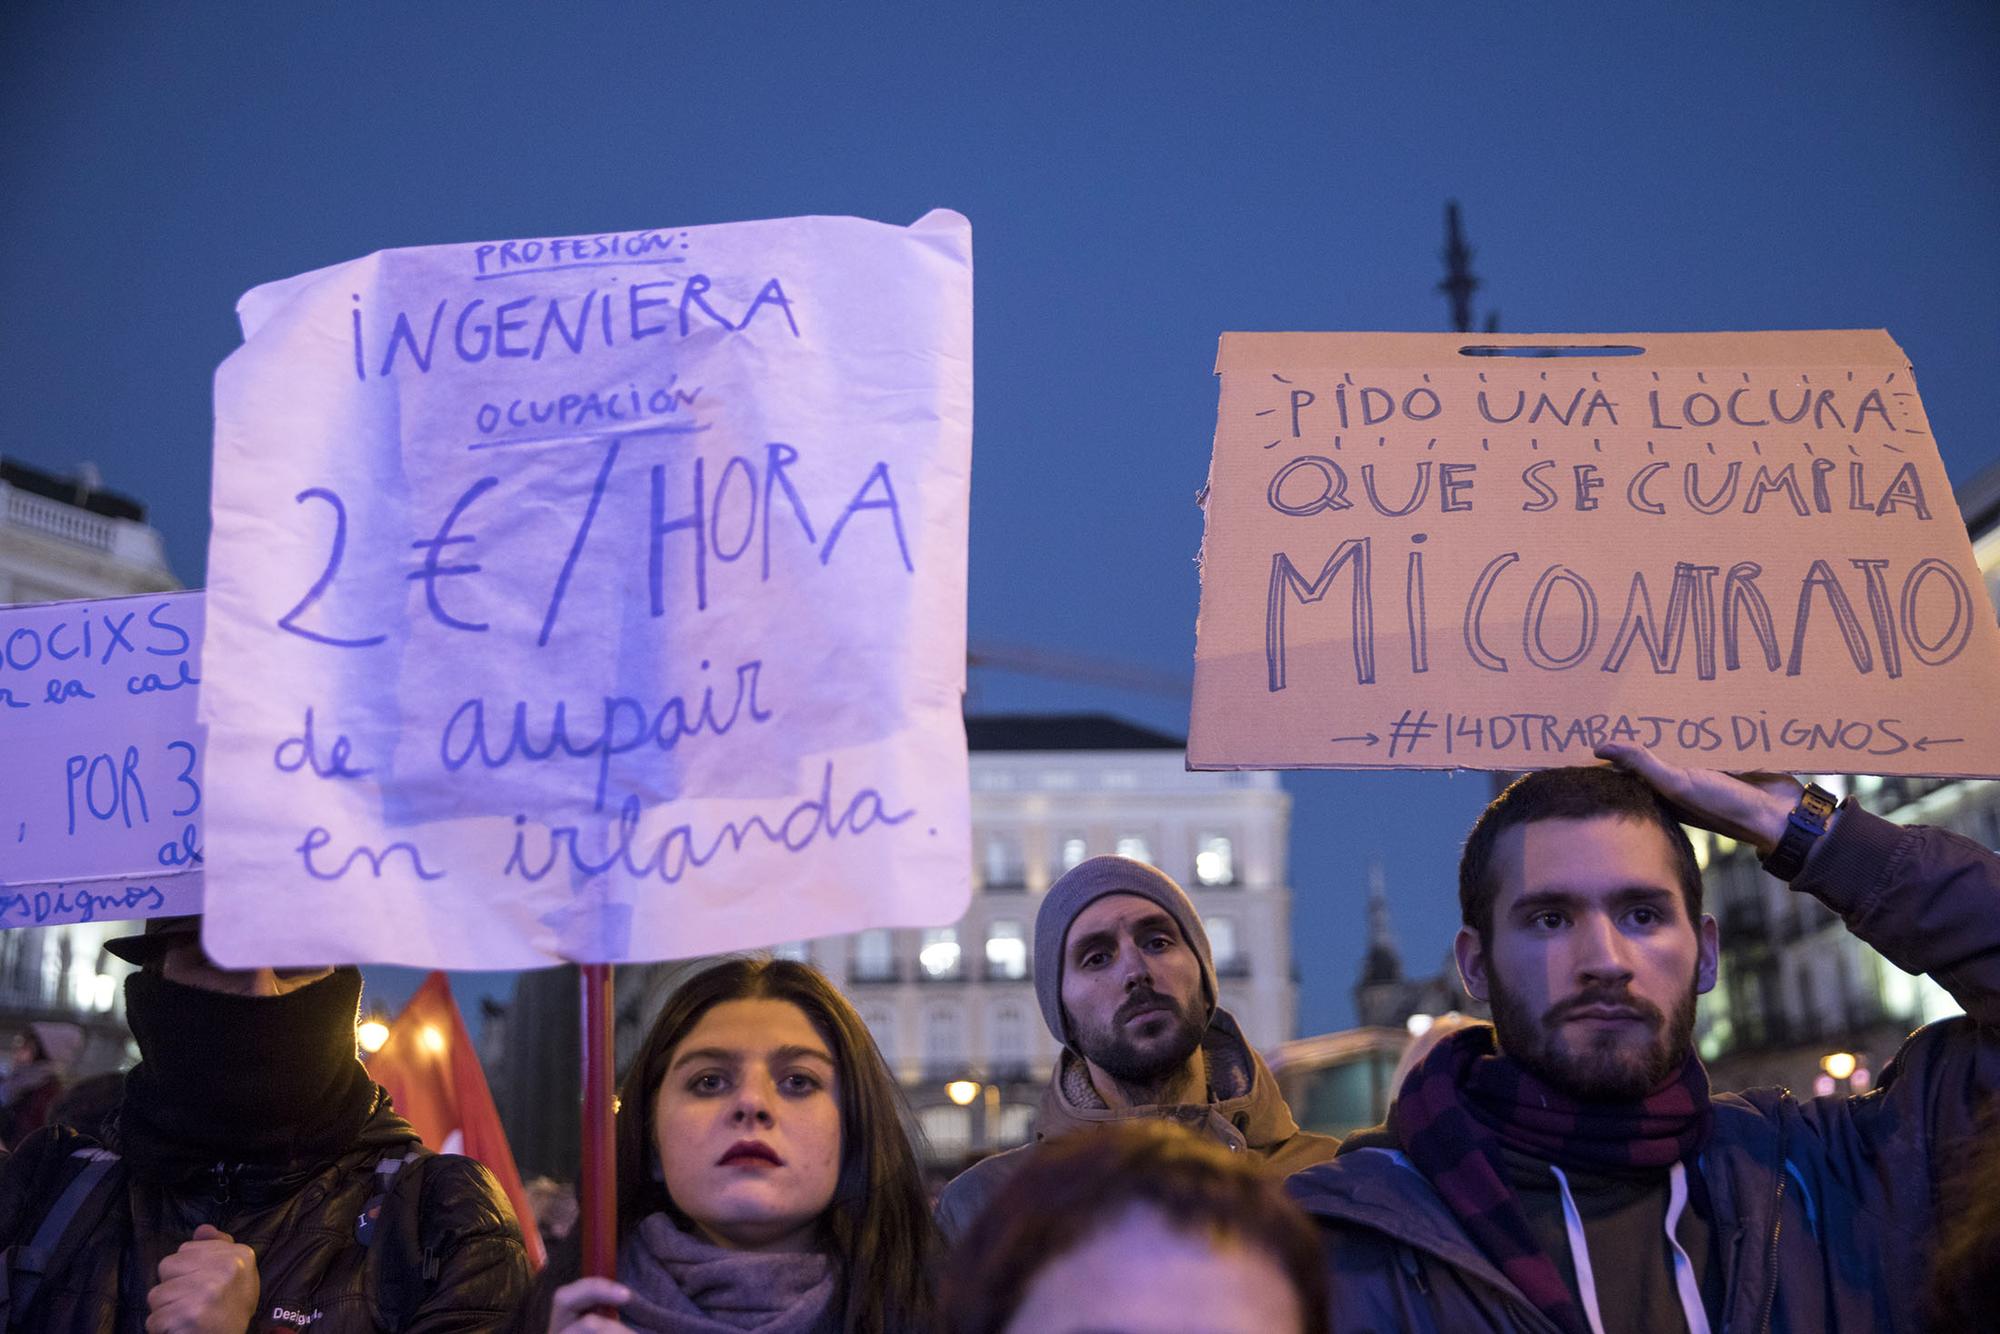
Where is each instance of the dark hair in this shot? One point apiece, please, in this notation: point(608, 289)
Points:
point(1581, 793)
point(1073, 1186)
point(878, 1227)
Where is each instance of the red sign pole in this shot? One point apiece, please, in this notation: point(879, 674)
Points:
point(597, 1193)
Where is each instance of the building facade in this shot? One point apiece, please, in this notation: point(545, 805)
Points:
point(63, 538)
point(953, 1007)
point(1798, 994)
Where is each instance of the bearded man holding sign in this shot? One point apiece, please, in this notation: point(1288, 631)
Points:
point(1568, 1169)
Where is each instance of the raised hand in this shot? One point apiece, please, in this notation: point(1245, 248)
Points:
point(1750, 808)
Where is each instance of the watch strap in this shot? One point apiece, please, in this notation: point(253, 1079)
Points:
point(1803, 828)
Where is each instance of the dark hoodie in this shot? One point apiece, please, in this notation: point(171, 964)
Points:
point(260, 1122)
point(1245, 1113)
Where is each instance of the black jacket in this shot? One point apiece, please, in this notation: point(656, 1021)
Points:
point(444, 1256)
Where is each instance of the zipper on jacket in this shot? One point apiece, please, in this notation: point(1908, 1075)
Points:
point(219, 1192)
point(1777, 1226)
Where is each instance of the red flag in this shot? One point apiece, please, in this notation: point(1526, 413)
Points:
point(432, 1070)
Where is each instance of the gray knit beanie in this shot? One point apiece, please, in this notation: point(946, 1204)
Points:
point(1081, 886)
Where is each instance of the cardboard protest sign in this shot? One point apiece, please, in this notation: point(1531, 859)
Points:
point(101, 788)
point(1433, 551)
point(596, 598)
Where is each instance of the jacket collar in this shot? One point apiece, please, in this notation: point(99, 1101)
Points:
point(1242, 1092)
point(1372, 1185)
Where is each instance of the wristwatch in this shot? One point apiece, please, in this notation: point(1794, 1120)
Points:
point(1802, 829)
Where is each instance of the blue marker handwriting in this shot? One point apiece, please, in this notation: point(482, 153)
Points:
point(78, 905)
point(468, 330)
point(680, 850)
point(319, 837)
point(98, 635)
point(298, 752)
point(620, 724)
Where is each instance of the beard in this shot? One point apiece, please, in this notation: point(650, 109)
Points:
point(1143, 1062)
point(1605, 1066)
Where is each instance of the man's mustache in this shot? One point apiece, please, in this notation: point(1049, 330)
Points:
point(1144, 998)
point(1605, 998)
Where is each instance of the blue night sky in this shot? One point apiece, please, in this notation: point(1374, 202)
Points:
point(1139, 177)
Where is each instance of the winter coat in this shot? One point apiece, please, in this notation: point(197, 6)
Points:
point(1823, 1209)
point(443, 1256)
point(1248, 1114)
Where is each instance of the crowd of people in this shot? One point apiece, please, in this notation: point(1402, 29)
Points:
point(1565, 1169)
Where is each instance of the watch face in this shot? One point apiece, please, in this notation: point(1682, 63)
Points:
point(1818, 802)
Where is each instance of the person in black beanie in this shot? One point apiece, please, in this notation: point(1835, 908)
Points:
point(1126, 982)
point(254, 1177)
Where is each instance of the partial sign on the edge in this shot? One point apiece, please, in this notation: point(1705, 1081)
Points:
point(101, 786)
point(1430, 551)
point(612, 589)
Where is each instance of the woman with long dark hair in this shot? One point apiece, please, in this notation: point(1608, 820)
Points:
point(765, 1178)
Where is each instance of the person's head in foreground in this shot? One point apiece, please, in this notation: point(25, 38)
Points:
point(1143, 1228)
point(763, 1166)
point(1581, 904)
point(1125, 979)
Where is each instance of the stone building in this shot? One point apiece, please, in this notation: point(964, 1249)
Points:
point(63, 538)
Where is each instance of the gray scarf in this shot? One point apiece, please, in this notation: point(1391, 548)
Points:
point(683, 1285)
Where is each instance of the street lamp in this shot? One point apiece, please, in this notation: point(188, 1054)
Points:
point(1842, 1068)
point(372, 1034)
point(962, 1091)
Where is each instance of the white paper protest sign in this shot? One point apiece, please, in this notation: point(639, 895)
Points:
point(596, 598)
point(100, 759)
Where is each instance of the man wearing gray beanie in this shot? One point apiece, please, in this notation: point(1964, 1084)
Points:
point(1126, 983)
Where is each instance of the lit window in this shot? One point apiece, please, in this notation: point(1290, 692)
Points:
point(1006, 951)
point(944, 1040)
point(881, 1021)
point(939, 955)
point(798, 951)
point(1017, 1124)
point(1215, 860)
point(1009, 1038)
point(874, 956)
point(1135, 847)
point(1222, 942)
point(1074, 850)
point(1003, 861)
point(947, 1129)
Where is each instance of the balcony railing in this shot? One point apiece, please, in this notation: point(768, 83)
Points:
point(64, 522)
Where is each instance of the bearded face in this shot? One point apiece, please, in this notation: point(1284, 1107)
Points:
point(1591, 962)
point(1604, 1044)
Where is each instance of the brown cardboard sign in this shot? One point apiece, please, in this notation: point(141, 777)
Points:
point(1494, 552)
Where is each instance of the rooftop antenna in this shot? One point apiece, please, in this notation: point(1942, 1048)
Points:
point(1459, 280)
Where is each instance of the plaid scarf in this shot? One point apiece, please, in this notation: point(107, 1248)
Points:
point(1463, 1102)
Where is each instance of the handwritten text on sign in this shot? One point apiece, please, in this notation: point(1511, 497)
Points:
point(101, 788)
point(1739, 549)
point(605, 595)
